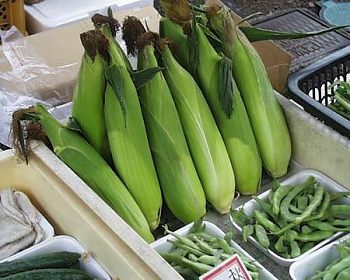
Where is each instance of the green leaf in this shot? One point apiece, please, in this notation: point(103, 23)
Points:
point(72, 124)
point(147, 27)
point(198, 226)
point(258, 34)
point(140, 78)
point(275, 184)
point(22, 142)
point(226, 85)
point(30, 117)
point(241, 218)
point(197, 4)
point(228, 237)
point(110, 12)
point(193, 53)
point(114, 76)
point(210, 34)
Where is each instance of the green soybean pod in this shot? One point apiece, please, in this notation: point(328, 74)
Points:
point(294, 249)
point(295, 209)
point(279, 246)
point(280, 193)
point(322, 226)
point(254, 275)
point(247, 231)
point(267, 207)
point(307, 246)
point(344, 274)
point(284, 210)
point(210, 260)
point(337, 195)
point(340, 222)
point(335, 269)
point(271, 195)
point(302, 202)
point(343, 250)
point(261, 236)
point(264, 221)
point(314, 236)
point(322, 208)
point(340, 210)
point(306, 229)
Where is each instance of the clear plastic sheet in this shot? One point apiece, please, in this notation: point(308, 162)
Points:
point(29, 81)
point(30, 75)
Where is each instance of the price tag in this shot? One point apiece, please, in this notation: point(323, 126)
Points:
point(231, 269)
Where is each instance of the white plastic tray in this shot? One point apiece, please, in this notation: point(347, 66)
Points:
point(54, 13)
point(318, 260)
point(48, 234)
point(66, 243)
point(298, 178)
point(162, 246)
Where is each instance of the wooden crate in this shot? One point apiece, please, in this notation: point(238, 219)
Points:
point(12, 13)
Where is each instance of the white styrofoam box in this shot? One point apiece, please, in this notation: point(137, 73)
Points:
point(318, 260)
point(48, 232)
point(162, 246)
point(66, 243)
point(50, 14)
point(298, 178)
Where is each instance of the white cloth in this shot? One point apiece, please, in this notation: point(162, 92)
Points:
point(19, 223)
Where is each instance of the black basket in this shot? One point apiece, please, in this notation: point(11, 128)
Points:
point(3, 147)
point(310, 88)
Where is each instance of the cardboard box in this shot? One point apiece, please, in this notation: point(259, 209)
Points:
point(51, 14)
point(61, 47)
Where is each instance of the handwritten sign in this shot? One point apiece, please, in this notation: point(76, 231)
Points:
point(231, 269)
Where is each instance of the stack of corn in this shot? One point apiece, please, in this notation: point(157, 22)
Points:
point(252, 126)
point(180, 130)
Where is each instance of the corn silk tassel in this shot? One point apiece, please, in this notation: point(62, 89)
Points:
point(83, 159)
point(127, 135)
point(178, 177)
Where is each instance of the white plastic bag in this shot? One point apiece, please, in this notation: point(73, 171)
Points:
point(30, 75)
point(30, 81)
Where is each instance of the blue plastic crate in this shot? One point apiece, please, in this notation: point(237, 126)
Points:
point(335, 12)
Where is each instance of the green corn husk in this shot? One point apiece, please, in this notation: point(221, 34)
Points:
point(128, 139)
point(265, 113)
point(179, 44)
point(178, 177)
point(235, 129)
point(87, 163)
point(205, 142)
point(88, 97)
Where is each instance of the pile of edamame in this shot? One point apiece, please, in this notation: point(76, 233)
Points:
point(339, 269)
point(199, 252)
point(295, 218)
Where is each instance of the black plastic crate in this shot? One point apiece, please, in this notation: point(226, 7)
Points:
point(310, 88)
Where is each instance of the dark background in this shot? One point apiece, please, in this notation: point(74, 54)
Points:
point(266, 7)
